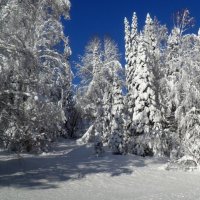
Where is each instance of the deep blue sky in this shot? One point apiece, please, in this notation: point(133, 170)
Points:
point(91, 17)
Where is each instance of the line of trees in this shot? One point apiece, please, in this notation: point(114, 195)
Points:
point(35, 75)
point(157, 114)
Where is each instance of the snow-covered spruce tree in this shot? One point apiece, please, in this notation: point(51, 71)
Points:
point(107, 115)
point(117, 138)
point(127, 39)
point(149, 59)
point(33, 72)
point(146, 115)
point(154, 36)
point(131, 43)
point(152, 46)
point(131, 47)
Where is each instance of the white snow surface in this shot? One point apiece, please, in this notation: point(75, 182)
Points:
point(73, 172)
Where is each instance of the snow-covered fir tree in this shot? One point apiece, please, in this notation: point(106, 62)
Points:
point(127, 39)
point(152, 41)
point(131, 47)
point(142, 99)
point(153, 52)
point(150, 35)
point(131, 42)
point(146, 116)
point(116, 140)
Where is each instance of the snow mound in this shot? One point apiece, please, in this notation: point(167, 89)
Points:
point(88, 137)
point(186, 163)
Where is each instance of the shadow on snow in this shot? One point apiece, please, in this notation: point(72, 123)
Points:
point(73, 163)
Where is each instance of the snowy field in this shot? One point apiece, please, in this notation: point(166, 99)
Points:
point(72, 172)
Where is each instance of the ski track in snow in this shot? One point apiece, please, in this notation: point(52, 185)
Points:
point(73, 172)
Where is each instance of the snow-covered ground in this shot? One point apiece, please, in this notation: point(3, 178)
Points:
point(73, 172)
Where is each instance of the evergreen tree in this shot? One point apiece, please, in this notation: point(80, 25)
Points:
point(116, 140)
point(131, 55)
point(146, 116)
point(127, 39)
point(131, 45)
